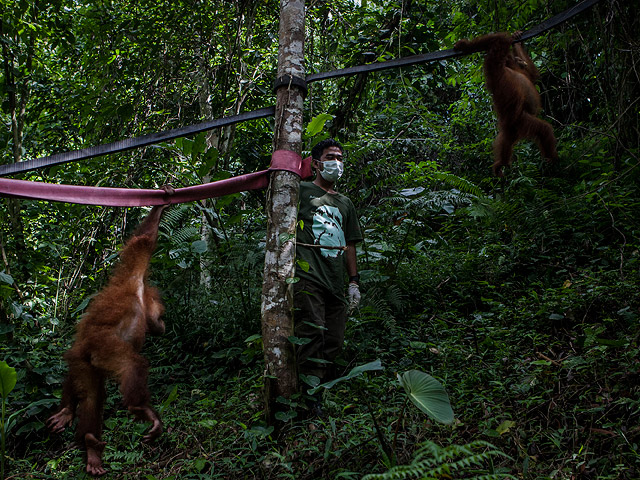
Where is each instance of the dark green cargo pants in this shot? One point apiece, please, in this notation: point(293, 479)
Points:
point(321, 317)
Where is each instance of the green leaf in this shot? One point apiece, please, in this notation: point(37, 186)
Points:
point(428, 395)
point(611, 343)
point(299, 341)
point(310, 380)
point(317, 124)
point(252, 338)
point(8, 379)
point(6, 329)
point(187, 146)
point(6, 278)
point(199, 246)
point(505, 426)
point(173, 395)
point(199, 144)
point(83, 304)
point(320, 361)
point(208, 423)
point(286, 416)
point(199, 464)
point(315, 325)
point(226, 200)
point(261, 431)
point(355, 371)
point(209, 160)
point(284, 237)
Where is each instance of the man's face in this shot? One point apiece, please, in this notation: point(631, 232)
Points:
point(329, 154)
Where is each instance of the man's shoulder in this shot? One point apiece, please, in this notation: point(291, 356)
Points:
point(308, 186)
point(307, 190)
point(344, 198)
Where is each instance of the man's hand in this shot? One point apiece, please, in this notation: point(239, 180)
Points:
point(354, 296)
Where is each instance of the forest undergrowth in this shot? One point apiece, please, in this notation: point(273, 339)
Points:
point(530, 323)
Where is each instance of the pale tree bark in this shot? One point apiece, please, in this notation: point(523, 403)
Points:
point(282, 210)
point(212, 140)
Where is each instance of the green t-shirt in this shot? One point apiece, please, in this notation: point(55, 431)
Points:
point(328, 219)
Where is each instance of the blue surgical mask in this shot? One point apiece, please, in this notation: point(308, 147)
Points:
point(332, 170)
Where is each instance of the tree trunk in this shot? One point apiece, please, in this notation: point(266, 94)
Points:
point(282, 210)
point(17, 89)
point(212, 81)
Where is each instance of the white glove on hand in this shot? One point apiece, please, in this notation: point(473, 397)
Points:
point(354, 296)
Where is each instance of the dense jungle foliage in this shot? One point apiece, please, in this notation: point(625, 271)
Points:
point(519, 295)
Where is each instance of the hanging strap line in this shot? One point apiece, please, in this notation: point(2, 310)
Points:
point(444, 54)
point(131, 143)
point(129, 197)
point(558, 19)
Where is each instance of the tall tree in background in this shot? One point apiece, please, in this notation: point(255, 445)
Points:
point(18, 45)
point(282, 210)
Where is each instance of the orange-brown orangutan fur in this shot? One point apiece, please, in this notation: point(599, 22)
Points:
point(107, 344)
point(510, 76)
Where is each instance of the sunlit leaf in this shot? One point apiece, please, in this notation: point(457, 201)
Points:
point(316, 124)
point(428, 395)
point(8, 379)
point(505, 426)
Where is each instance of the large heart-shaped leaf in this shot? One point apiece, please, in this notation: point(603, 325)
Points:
point(428, 395)
point(8, 379)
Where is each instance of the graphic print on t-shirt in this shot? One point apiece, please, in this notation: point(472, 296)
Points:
point(327, 230)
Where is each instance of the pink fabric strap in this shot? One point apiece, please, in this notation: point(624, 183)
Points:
point(291, 161)
point(127, 197)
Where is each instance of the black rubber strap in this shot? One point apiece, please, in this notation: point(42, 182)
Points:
point(558, 19)
point(444, 54)
point(131, 143)
point(288, 80)
point(375, 67)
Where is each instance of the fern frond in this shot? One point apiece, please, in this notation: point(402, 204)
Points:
point(395, 297)
point(460, 183)
point(172, 217)
point(433, 201)
point(432, 461)
point(184, 235)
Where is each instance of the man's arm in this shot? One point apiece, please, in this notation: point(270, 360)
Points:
point(352, 266)
point(352, 270)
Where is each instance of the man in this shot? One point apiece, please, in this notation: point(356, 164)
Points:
point(328, 231)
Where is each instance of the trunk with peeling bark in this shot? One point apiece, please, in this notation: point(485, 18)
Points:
point(282, 211)
point(233, 75)
point(17, 88)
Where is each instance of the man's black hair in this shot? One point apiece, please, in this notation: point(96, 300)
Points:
point(318, 149)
